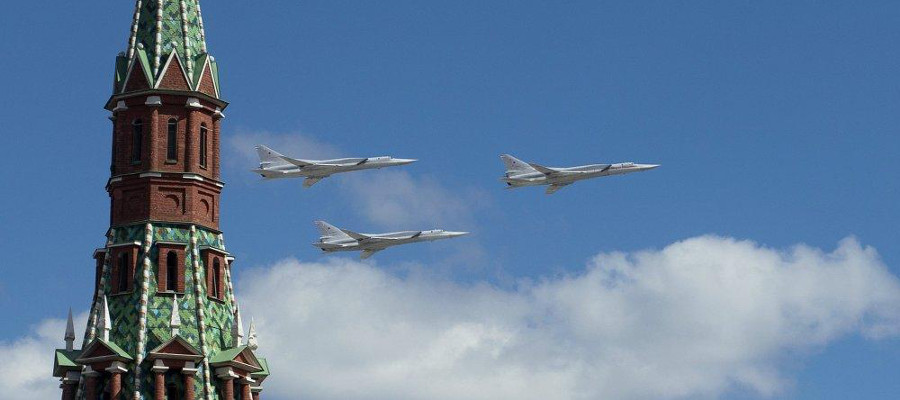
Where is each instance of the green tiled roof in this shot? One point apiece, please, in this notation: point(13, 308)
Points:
point(226, 354)
point(265, 368)
point(116, 349)
point(65, 358)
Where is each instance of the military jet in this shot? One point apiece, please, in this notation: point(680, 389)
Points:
point(520, 173)
point(273, 165)
point(335, 239)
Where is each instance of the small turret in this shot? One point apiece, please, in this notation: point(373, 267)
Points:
point(251, 336)
point(70, 333)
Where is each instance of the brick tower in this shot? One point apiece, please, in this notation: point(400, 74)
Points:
point(164, 323)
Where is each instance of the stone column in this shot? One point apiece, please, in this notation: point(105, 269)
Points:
point(228, 389)
point(159, 380)
point(68, 391)
point(115, 379)
point(189, 150)
point(189, 372)
point(245, 389)
point(216, 133)
point(69, 385)
point(115, 385)
point(227, 376)
point(90, 383)
point(153, 150)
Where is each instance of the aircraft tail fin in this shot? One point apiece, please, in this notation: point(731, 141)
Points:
point(515, 166)
point(268, 157)
point(330, 231)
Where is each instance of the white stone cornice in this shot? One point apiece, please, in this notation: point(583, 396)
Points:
point(193, 102)
point(190, 368)
point(193, 177)
point(120, 106)
point(117, 367)
point(159, 367)
point(226, 373)
point(154, 101)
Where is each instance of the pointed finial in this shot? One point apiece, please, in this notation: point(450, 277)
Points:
point(105, 320)
point(70, 333)
point(251, 336)
point(175, 322)
point(237, 329)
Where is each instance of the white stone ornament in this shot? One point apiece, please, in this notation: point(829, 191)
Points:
point(70, 333)
point(252, 342)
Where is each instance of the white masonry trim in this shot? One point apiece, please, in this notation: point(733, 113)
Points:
point(142, 315)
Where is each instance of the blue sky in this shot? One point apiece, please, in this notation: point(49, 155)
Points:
point(775, 122)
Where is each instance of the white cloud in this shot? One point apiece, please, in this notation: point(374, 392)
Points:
point(395, 199)
point(696, 319)
point(27, 362)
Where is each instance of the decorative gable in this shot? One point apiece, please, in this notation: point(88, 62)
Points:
point(177, 348)
point(240, 358)
point(102, 352)
point(137, 79)
point(207, 84)
point(173, 76)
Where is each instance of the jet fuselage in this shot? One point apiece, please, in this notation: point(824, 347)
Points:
point(566, 176)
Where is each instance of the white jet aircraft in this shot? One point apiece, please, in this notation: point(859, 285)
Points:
point(335, 239)
point(273, 165)
point(520, 173)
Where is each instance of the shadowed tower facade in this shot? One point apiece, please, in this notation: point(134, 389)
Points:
point(164, 322)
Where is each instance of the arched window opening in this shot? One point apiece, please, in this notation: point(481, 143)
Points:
point(123, 272)
point(137, 140)
point(172, 272)
point(217, 272)
point(203, 144)
point(172, 141)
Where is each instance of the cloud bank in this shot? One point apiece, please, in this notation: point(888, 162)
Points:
point(28, 362)
point(698, 318)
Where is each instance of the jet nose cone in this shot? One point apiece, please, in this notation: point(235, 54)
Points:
point(457, 234)
point(650, 166)
point(404, 161)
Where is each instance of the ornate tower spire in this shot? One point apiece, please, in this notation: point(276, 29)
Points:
point(163, 27)
point(163, 33)
point(70, 332)
point(164, 239)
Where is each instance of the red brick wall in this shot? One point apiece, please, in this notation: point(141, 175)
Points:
point(174, 78)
